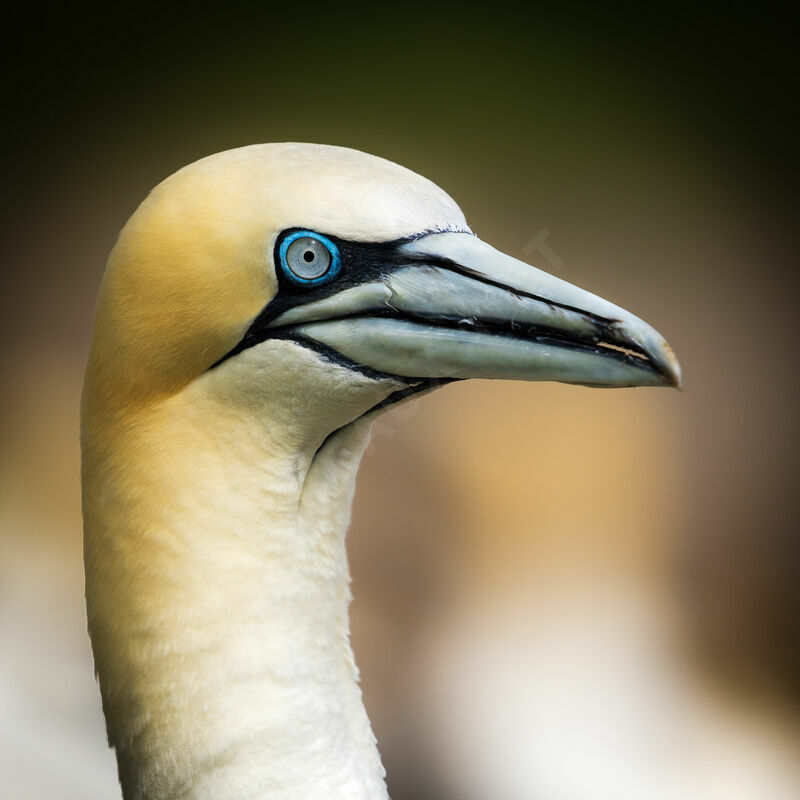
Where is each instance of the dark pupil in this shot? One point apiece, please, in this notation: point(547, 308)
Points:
point(308, 256)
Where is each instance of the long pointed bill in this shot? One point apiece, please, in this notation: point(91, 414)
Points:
point(454, 307)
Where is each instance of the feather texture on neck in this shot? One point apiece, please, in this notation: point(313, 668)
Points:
point(218, 592)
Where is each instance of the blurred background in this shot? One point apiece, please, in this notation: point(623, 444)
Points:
point(560, 593)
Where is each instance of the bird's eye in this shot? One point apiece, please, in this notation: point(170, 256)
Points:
point(309, 259)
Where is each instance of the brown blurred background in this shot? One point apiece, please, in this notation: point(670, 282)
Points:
point(561, 594)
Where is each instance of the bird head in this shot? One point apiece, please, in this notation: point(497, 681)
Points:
point(312, 284)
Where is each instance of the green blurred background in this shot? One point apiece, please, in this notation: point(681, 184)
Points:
point(560, 593)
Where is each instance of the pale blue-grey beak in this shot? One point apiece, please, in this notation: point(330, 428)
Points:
point(461, 309)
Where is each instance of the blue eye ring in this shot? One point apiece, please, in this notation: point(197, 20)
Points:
point(329, 274)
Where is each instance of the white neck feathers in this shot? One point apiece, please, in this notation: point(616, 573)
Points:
point(217, 593)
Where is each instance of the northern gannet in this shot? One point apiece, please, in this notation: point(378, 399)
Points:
point(259, 306)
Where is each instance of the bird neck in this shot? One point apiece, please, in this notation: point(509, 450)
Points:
point(217, 593)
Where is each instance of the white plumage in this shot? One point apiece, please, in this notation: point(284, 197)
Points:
point(217, 489)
